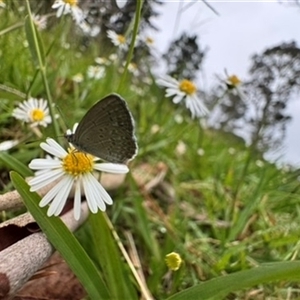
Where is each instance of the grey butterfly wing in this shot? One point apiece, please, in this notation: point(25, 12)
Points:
point(107, 131)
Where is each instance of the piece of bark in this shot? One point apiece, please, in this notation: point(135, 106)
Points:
point(22, 259)
point(56, 281)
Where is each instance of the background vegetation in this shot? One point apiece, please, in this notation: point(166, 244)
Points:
point(218, 204)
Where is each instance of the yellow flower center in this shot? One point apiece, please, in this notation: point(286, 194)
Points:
point(121, 39)
point(37, 115)
point(187, 87)
point(173, 261)
point(71, 2)
point(234, 80)
point(76, 162)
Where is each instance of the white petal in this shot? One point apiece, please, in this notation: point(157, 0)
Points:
point(77, 200)
point(51, 194)
point(121, 3)
point(4, 146)
point(56, 4)
point(52, 147)
point(60, 199)
point(172, 91)
point(99, 189)
point(44, 163)
point(177, 99)
point(77, 14)
point(90, 199)
point(44, 178)
point(111, 168)
point(60, 11)
point(96, 193)
point(196, 106)
point(168, 81)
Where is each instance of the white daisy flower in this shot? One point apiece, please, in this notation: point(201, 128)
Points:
point(34, 111)
point(65, 7)
point(117, 39)
point(71, 168)
point(184, 89)
point(95, 72)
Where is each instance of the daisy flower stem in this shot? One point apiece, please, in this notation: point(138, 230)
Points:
point(138, 12)
point(42, 68)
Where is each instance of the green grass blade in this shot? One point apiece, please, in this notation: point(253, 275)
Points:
point(64, 241)
point(219, 287)
point(116, 275)
point(14, 164)
point(34, 41)
point(143, 227)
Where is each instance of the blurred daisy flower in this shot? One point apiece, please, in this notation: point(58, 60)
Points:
point(71, 168)
point(184, 90)
point(133, 69)
point(233, 84)
point(173, 261)
point(200, 152)
point(2, 4)
point(259, 163)
point(118, 40)
point(87, 29)
point(113, 57)
point(95, 72)
point(233, 81)
point(102, 61)
point(34, 111)
point(65, 7)
point(40, 21)
point(78, 78)
point(146, 40)
point(149, 41)
point(180, 148)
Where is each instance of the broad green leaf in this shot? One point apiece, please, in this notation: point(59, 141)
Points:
point(218, 288)
point(64, 241)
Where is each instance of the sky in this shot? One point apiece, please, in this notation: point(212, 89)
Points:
point(241, 29)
